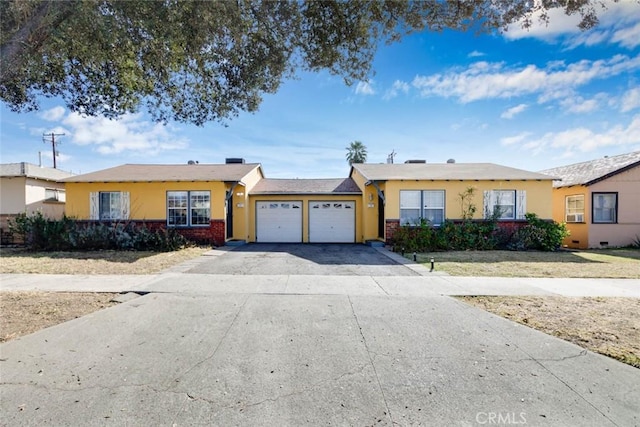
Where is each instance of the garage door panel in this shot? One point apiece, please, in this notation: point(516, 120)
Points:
point(279, 222)
point(332, 221)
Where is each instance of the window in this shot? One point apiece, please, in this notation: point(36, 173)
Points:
point(574, 209)
point(416, 205)
point(505, 204)
point(188, 208)
point(109, 205)
point(54, 195)
point(605, 208)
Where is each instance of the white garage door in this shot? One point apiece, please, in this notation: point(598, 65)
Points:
point(279, 222)
point(332, 222)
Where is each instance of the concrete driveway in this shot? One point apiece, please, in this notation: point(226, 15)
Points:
point(302, 259)
point(223, 349)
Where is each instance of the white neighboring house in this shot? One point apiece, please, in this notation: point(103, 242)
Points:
point(25, 187)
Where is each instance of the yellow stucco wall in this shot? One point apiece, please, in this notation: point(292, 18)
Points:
point(305, 199)
point(539, 197)
point(241, 210)
point(579, 231)
point(148, 199)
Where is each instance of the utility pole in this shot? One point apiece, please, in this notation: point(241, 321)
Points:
point(51, 138)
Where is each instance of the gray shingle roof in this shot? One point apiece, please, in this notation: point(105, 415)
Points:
point(587, 173)
point(184, 172)
point(306, 186)
point(30, 170)
point(444, 171)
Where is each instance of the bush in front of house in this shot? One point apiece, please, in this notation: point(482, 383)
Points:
point(489, 234)
point(43, 234)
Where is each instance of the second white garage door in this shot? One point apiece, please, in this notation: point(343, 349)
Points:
point(279, 222)
point(332, 222)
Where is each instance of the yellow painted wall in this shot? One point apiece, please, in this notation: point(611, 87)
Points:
point(241, 210)
point(369, 214)
point(305, 199)
point(579, 237)
point(148, 199)
point(539, 197)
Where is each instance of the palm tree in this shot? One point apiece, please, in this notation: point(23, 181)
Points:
point(356, 153)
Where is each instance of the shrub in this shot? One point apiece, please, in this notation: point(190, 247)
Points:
point(42, 234)
point(539, 234)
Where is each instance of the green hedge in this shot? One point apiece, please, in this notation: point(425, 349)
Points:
point(43, 234)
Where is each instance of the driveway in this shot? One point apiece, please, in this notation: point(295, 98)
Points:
point(298, 259)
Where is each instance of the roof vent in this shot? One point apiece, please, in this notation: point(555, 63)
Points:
point(234, 160)
point(192, 162)
point(451, 161)
point(415, 161)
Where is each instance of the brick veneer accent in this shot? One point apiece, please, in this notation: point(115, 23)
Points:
point(390, 228)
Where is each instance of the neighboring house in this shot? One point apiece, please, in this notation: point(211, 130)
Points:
point(203, 202)
point(27, 188)
point(235, 202)
point(400, 194)
point(599, 200)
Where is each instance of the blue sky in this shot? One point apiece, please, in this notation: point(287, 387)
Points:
point(532, 100)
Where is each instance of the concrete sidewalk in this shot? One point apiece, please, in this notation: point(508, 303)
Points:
point(323, 285)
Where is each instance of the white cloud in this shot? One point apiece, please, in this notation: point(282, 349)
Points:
point(483, 80)
point(365, 88)
point(397, 87)
point(475, 54)
point(630, 100)
point(580, 139)
point(628, 37)
point(579, 105)
point(129, 133)
point(516, 139)
point(53, 114)
point(513, 111)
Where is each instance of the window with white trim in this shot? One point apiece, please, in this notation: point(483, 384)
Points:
point(605, 208)
point(188, 208)
point(109, 205)
point(54, 195)
point(574, 208)
point(417, 205)
point(505, 204)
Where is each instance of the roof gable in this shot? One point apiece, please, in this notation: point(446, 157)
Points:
point(155, 173)
point(591, 172)
point(444, 171)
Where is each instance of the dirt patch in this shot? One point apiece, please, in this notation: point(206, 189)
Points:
point(609, 326)
point(24, 313)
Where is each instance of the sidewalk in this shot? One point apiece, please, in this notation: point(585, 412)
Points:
point(322, 285)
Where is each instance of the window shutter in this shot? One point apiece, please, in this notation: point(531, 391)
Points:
point(125, 203)
point(488, 205)
point(521, 204)
point(94, 205)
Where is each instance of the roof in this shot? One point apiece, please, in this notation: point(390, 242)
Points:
point(588, 173)
point(306, 186)
point(30, 170)
point(444, 171)
point(154, 173)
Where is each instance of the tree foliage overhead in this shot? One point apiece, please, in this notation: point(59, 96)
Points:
point(199, 61)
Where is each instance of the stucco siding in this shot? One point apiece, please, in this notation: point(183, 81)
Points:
point(579, 231)
point(627, 229)
point(12, 195)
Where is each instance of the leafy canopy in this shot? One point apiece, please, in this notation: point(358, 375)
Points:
point(356, 153)
point(200, 61)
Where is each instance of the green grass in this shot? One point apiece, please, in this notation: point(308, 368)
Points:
point(605, 263)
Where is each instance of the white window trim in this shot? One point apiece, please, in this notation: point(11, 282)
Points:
point(189, 209)
point(421, 206)
point(520, 208)
point(576, 216)
point(94, 206)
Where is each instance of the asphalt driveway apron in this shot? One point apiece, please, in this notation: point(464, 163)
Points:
point(301, 259)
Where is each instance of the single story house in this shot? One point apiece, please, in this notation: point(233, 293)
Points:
point(204, 202)
point(235, 202)
point(599, 200)
point(28, 188)
point(400, 194)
